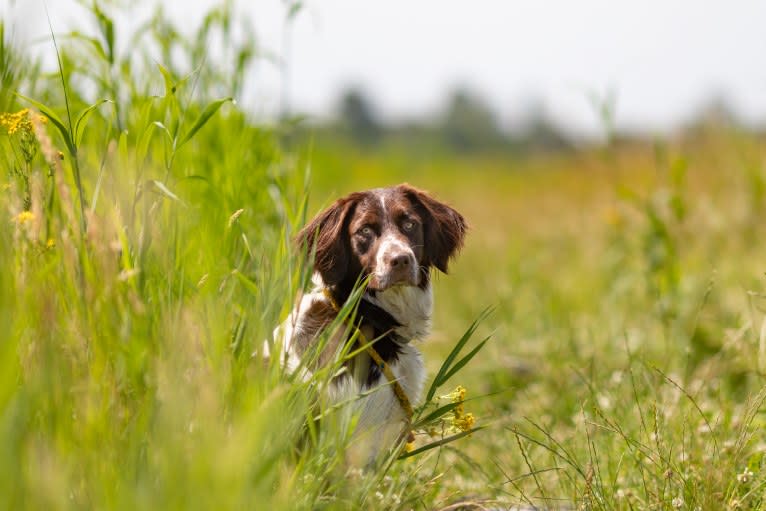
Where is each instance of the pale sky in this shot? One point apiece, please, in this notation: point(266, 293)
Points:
point(662, 58)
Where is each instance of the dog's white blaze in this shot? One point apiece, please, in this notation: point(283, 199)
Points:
point(383, 205)
point(390, 244)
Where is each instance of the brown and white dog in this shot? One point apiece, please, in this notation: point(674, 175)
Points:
point(393, 237)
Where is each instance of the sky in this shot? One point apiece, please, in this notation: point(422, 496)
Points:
point(661, 60)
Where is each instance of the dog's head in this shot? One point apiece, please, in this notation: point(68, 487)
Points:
point(393, 235)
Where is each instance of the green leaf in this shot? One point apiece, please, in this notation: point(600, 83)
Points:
point(170, 83)
point(143, 143)
point(56, 120)
point(92, 41)
point(82, 120)
point(206, 114)
point(107, 29)
point(247, 282)
point(438, 443)
point(165, 129)
point(122, 147)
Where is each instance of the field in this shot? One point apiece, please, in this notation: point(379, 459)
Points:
point(146, 248)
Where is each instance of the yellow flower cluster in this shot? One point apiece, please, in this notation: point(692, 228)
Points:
point(460, 420)
point(24, 217)
point(19, 121)
point(464, 422)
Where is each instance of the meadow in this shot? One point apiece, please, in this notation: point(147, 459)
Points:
point(146, 253)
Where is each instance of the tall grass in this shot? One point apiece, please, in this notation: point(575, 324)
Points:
point(147, 254)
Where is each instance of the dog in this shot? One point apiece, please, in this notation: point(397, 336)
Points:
point(390, 238)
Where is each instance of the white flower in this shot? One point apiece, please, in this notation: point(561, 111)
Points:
point(604, 402)
point(677, 502)
point(745, 476)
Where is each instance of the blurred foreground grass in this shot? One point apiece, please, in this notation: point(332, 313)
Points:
point(147, 254)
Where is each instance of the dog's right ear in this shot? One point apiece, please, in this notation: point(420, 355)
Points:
point(325, 237)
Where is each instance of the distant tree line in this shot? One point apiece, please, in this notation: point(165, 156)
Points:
point(467, 124)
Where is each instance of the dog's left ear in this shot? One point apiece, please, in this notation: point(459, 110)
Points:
point(323, 237)
point(444, 228)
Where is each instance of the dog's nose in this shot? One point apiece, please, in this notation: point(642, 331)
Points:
point(400, 260)
point(397, 265)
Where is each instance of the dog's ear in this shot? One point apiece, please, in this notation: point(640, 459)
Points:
point(325, 237)
point(443, 228)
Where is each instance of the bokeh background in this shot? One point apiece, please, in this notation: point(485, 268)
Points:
point(516, 70)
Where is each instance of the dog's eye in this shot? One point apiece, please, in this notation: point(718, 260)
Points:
point(408, 225)
point(365, 231)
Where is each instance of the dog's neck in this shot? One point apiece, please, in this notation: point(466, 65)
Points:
point(402, 311)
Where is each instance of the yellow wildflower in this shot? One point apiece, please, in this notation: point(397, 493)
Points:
point(457, 395)
point(460, 420)
point(464, 422)
point(50, 243)
point(24, 217)
point(20, 121)
point(14, 122)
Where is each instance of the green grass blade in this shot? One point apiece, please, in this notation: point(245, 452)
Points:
point(56, 120)
point(439, 443)
point(251, 286)
point(170, 83)
point(436, 414)
point(142, 149)
point(463, 361)
point(82, 120)
point(206, 114)
point(93, 42)
point(455, 352)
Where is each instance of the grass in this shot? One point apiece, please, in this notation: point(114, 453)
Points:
point(625, 368)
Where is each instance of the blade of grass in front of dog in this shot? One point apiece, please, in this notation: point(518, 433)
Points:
point(341, 404)
point(439, 443)
point(445, 368)
point(436, 414)
point(463, 361)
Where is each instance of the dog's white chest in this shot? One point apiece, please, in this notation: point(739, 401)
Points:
point(411, 306)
